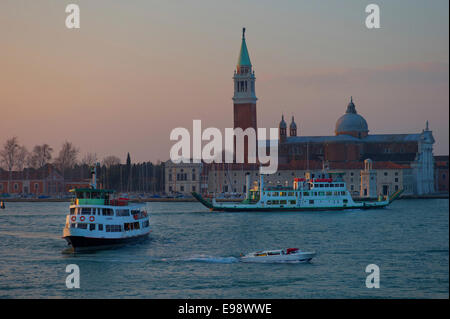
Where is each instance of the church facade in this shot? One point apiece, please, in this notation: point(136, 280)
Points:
point(352, 145)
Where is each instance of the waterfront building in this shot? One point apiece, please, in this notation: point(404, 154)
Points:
point(441, 173)
point(389, 177)
point(368, 180)
point(31, 182)
point(183, 178)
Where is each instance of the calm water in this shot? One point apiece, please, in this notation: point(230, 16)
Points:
point(191, 253)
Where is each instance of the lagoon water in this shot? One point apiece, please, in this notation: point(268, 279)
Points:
point(192, 253)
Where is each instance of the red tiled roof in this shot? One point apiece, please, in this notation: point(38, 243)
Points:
point(28, 174)
point(314, 165)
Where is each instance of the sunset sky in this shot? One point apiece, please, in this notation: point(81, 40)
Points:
point(135, 70)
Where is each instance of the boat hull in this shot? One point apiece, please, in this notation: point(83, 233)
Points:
point(83, 242)
point(214, 206)
point(302, 257)
point(289, 209)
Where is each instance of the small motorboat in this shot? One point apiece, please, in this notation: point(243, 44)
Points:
point(280, 255)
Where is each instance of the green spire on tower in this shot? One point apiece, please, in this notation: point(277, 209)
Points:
point(244, 58)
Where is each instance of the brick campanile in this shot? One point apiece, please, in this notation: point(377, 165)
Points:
point(244, 98)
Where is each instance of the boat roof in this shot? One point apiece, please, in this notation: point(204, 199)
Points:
point(91, 190)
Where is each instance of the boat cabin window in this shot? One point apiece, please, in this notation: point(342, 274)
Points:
point(97, 195)
point(273, 253)
point(72, 211)
point(122, 212)
point(81, 195)
point(107, 212)
point(86, 211)
point(113, 228)
point(82, 225)
point(91, 226)
point(100, 227)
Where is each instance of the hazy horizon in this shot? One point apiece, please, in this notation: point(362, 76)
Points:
point(136, 70)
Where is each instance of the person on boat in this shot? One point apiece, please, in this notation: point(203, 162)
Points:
point(2, 205)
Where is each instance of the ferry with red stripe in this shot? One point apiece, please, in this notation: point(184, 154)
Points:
point(326, 192)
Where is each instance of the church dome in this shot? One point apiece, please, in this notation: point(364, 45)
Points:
point(351, 122)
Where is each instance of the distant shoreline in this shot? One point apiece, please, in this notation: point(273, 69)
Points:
point(182, 200)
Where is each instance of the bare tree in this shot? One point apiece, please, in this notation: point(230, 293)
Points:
point(31, 161)
point(21, 159)
point(111, 160)
point(89, 159)
point(8, 156)
point(41, 155)
point(67, 157)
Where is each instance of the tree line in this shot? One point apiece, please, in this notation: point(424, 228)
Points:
point(111, 173)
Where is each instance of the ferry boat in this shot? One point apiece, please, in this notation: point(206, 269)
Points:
point(288, 255)
point(327, 191)
point(98, 218)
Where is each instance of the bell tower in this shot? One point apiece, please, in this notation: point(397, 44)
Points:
point(244, 98)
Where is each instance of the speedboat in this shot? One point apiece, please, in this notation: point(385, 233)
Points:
point(280, 255)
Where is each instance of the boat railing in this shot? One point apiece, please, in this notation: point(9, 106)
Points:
point(100, 201)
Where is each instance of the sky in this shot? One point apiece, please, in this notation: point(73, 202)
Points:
point(135, 70)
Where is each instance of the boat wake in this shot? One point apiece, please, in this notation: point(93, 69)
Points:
point(232, 260)
point(213, 259)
